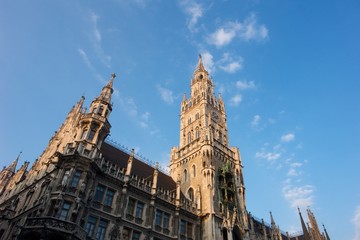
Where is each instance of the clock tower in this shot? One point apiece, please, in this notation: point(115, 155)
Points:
point(208, 169)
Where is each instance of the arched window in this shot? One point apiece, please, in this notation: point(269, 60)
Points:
point(189, 137)
point(197, 133)
point(191, 194)
point(193, 170)
point(84, 133)
point(185, 176)
point(91, 135)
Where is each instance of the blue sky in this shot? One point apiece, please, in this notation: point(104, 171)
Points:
point(288, 71)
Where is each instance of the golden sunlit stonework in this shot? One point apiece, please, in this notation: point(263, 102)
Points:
point(85, 187)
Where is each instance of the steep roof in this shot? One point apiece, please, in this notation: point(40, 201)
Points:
point(139, 168)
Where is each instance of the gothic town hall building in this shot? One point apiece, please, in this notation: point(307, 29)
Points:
point(84, 187)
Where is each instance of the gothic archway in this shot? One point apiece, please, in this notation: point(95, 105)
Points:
point(236, 233)
point(224, 233)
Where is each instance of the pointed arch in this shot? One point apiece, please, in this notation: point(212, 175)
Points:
point(190, 194)
point(193, 170)
point(236, 233)
point(224, 233)
point(185, 176)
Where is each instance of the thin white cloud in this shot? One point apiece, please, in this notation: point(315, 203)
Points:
point(244, 85)
point(269, 156)
point(251, 30)
point(236, 100)
point(166, 95)
point(294, 170)
point(224, 35)
point(231, 64)
point(85, 58)
point(247, 30)
point(287, 137)
point(144, 119)
point(256, 120)
point(298, 196)
point(96, 38)
point(194, 11)
point(356, 221)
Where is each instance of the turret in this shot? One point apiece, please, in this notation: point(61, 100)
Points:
point(304, 228)
point(7, 173)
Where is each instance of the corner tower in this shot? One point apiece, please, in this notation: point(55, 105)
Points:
point(210, 170)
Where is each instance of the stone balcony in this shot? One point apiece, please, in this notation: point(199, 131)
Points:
point(48, 226)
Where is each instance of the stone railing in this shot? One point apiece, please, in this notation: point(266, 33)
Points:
point(49, 223)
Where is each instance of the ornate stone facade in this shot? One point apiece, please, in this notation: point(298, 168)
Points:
point(84, 187)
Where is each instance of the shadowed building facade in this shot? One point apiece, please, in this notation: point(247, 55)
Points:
point(84, 187)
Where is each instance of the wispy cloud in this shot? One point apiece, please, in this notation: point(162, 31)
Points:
point(96, 39)
point(294, 169)
point(224, 35)
point(92, 68)
point(256, 120)
point(166, 94)
point(231, 64)
point(247, 30)
point(236, 100)
point(287, 137)
point(298, 196)
point(269, 156)
point(244, 85)
point(194, 11)
point(85, 58)
point(356, 221)
point(251, 30)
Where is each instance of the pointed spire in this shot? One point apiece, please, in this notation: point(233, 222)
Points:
point(304, 229)
point(12, 166)
point(272, 219)
point(326, 233)
point(108, 89)
point(200, 66)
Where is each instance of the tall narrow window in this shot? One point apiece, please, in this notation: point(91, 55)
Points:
point(90, 226)
point(84, 133)
point(99, 194)
point(189, 137)
point(139, 210)
point(193, 169)
point(100, 234)
point(158, 216)
point(166, 220)
point(109, 197)
point(64, 211)
point(197, 133)
point(185, 176)
point(91, 135)
point(191, 194)
point(76, 178)
point(189, 228)
point(182, 227)
point(131, 206)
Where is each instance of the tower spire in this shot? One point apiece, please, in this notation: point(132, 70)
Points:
point(200, 66)
point(12, 166)
point(108, 89)
point(304, 229)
